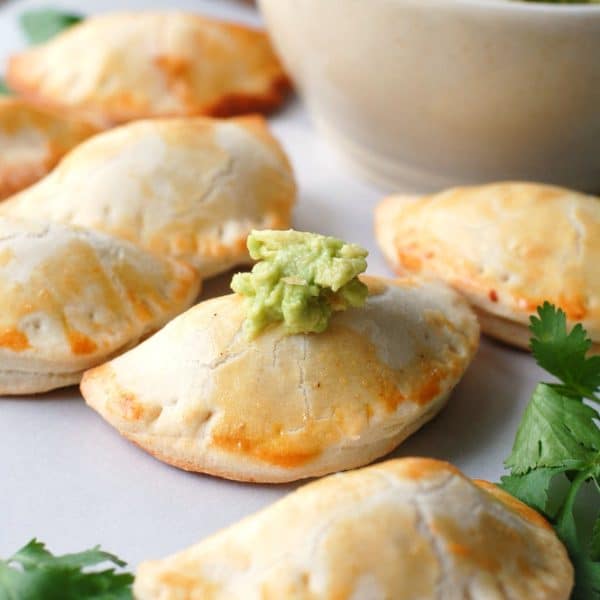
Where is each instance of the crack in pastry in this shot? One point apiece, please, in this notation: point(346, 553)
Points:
point(284, 406)
point(32, 141)
point(404, 529)
point(192, 189)
point(72, 298)
point(507, 246)
point(120, 67)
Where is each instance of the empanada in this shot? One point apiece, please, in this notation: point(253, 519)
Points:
point(189, 188)
point(202, 396)
point(402, 530)
point(70, 299)
point(32, 141)
point(508, 247)
point(118, 67)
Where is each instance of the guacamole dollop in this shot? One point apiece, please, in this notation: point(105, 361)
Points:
point(301, 279)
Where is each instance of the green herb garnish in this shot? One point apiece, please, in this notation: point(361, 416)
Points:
point(4, 89)
point(41, 25)
point(559, 438)
point(33, 573)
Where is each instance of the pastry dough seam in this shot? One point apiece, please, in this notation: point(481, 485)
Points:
point(579, 229)
point(422, 525)
point(302, 384)
point(223, 174)
point(41, 373)
point(33, 235)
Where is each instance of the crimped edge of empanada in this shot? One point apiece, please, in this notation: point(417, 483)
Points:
point(234, 467)
point(228, 105)
point(13, 179)
point(497, 321)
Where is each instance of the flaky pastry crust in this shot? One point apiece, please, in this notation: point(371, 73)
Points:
point(508, 247)
point(202, 397)
point(192, 189)
point(119, 67)
point(404, 529)
point(32, 141)
point(71, 298)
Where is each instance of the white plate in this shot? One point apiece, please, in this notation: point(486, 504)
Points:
point(69, 478)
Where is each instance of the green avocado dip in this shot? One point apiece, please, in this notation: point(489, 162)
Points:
point(301, 279)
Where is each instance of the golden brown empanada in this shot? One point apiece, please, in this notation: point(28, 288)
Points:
point(32, 141)
point(508, 247)
point(201, 396)
point(189, 188)
point(71, 299)
point(118, 67)
point(402, 530)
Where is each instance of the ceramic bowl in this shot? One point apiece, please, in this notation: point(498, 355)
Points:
point(424, 94)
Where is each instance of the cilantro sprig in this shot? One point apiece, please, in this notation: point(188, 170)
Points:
point(33, 573)
point(559, 438)
point(41, 25)
point(4, 89)
point(563, 354)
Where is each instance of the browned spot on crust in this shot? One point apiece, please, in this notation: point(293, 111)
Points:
point(471, 544)
point(487, 563)
point(123, 404)
point(493, 295)
point(574, 306)
point(431, 388)
point(284, 455)
point(6, 256)
point(240, 104)
point(172, 66)
point(141, 309)
point(81, 343)
point(389, 394)
point(410, 262)
point(14, 340)
point(129, 407)
point(423, 468)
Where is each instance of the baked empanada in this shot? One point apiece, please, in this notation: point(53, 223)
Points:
point(189, 188)
point(119, 67)
point(202, 396)
point(70, 299)
point(32, 141)
point(508, 247)
point(402, 530)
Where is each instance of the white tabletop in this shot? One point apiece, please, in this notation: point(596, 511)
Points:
point(68, 478)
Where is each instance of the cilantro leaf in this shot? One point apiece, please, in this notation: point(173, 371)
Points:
point(587, 570)
point(41, 25)
point(595, 541)
point(532, 488)
point(556, 431)
point(4, 89)
point(559, 434)
point(35, 554)
point(587, 575)
point(563, 354)
point(33, 572)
